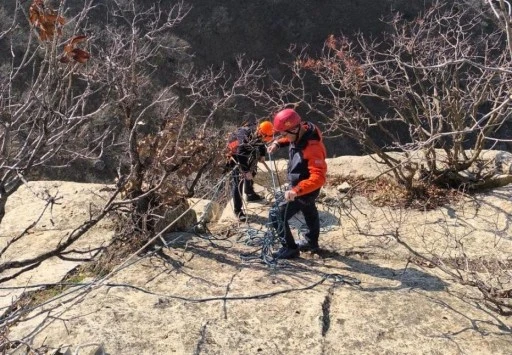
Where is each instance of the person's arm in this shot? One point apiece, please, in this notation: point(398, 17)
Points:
point(315, 154)
point(243, 150)
point(276, 144)
point(262, 150)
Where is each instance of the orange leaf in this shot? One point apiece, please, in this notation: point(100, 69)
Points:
point(80, 55)
point(68, 48)
point(45, 20)
point(64, 59)
point(76, 54)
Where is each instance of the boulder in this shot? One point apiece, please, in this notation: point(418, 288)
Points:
point(344, 187)
point(177, 218)
point(206, 210)
point(503, 163)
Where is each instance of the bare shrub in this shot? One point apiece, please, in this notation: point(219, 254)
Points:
point(426, 101)
point(436, 89)
point(58, 104)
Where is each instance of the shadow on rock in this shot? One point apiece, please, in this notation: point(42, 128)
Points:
point(408, 277)
point(328, 221)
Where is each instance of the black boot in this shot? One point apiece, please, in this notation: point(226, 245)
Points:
point(286, 253)
point(253, 197)
point(241, 216)
point(306, 245)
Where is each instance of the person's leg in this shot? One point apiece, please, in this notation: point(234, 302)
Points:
point(313, 222)
point(249, 187)
point(249, 190)
point(236, 190)
point(279, 219)
point(310, 211)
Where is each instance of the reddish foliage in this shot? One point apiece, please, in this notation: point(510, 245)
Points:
point(384, 192)
point(182, 154)
point(73, 53)
point(310, 64)
point(338, 62)
point(46, 20)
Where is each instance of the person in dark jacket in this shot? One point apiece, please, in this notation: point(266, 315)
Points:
point(307, 171)
point(246, 146)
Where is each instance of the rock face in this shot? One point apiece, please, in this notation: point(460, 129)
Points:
point(177, 218)
point(74, 203)
point(209, 296)
point(503, 163)
point(207, 211)
point(218, 31)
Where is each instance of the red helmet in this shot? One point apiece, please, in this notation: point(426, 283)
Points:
point(286, 119)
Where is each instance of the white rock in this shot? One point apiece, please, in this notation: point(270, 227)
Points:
point(344, 187)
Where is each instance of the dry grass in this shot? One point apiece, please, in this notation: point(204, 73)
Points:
point(385, 192)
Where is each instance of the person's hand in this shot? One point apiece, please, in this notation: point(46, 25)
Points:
point(290, 195)
point(273, 147)
point(248, 175)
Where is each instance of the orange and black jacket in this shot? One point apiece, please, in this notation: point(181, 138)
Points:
point(245, 148)
point(307, 168)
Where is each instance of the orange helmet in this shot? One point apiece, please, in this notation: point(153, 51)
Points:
point(286, 119)
point(266, 130)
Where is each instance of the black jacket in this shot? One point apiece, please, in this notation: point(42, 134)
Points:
point(245, 148)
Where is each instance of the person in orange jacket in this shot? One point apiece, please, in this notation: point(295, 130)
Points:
point(307, 171)
point(246, 146)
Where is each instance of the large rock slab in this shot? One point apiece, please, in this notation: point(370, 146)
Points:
point(74, 204)
point(213, 295)
point(219, 306)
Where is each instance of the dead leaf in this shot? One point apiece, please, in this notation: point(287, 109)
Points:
point(73, 53)
point(45, 20)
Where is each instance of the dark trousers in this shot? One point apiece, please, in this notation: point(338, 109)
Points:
point(286, 210)
point(238, 185)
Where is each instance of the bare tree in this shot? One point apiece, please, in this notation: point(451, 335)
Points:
point(170, 138)
point(435, 88)
point(501, 12)
point(43, 104)
point(76, 89)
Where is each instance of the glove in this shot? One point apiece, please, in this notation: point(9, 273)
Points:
point(290, 195)
point(273, 147)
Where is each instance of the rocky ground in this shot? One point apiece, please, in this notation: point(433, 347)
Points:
point(362, 293)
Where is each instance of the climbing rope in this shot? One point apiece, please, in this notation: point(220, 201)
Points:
point(268, 239)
